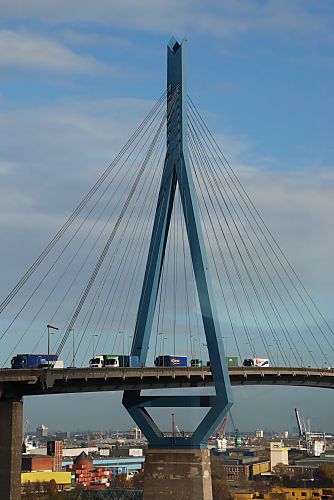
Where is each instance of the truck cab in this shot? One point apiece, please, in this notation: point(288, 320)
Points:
point(96, 362)
point(197, 362)
point(111, 361)
point(19, 361)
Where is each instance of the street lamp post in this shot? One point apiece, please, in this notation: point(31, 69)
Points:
point(194, 340)
point(225, 345)
point(94, 345)
point(277, 353)
point(200, 352)
point(129, 343)
point(252, 347)
point(162, 346)
point(50, 327)
point(122, 335)
point(123, 348)
point(269, 353)
point(73, 348)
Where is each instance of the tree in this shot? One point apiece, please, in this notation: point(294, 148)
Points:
point(325, 474)
point(138, 480)
point(120, 481)
point(281, 472)
point(28, 491)
point(52, 489)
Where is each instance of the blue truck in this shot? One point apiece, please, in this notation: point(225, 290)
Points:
point(170, 360)
point(128, 361)
point(36, 361)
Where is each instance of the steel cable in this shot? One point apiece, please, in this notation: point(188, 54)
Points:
point(253, 210)
point(110, 239)
point(81, 205)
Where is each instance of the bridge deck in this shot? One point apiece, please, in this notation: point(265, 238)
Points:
point(71, 380)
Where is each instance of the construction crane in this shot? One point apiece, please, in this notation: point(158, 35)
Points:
point(300, 426)
point(24, 430)
point(304, 434)
point(307, 438)
point(221, 432)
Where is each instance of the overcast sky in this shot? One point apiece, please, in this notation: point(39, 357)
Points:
point(77, 77)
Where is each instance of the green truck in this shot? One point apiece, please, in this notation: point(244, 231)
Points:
point(232, 361)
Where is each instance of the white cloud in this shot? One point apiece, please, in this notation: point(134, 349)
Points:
point(4, 168)
point(96, 39)
point(221, 19)
point(56, 153)
point(24, 51)
point(50, 157)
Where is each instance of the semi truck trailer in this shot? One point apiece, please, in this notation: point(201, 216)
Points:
point(36, 361)
point(170, 360)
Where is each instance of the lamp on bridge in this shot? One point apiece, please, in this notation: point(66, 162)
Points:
point(130, 337)
point(162, 346)
point(225, 345)
point(50, 327)
point(73, 348)
point(193, 347)
point(94, 344)
point(251, 344)
point(123, 341)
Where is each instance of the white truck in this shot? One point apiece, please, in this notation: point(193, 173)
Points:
point(114, 361)
point(104, 360)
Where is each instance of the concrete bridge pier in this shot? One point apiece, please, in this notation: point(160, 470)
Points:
point(181, 474)
point(11, 414)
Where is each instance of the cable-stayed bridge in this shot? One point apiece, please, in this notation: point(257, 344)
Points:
point(166, 255)
point(36, 382)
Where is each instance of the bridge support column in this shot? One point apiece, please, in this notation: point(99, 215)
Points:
point(11, 413)
point(181, 474)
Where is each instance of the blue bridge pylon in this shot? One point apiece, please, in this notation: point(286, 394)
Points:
point(177, 171)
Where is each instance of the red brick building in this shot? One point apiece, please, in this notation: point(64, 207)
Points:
point(33, 463)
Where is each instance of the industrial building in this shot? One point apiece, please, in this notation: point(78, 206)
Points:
point(304, 493)
point(37, 463)
point(279, 454)
point(240, 463)
point(42, 431)
point(243, 468)
point(324, 458)
point(62, 479)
